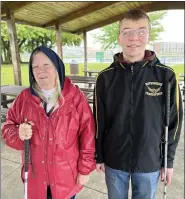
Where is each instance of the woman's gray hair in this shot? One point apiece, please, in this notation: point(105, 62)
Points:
point(56, 95)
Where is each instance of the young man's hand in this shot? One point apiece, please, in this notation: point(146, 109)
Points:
point(169, 174)
point(82, 179)
point(100, 167)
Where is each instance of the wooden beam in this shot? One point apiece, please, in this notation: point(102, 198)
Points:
point(14, 48)
point(14, 6)
point(59, 40)
point(154, 6)
point(34, 24)
point(162, 5)
point(85, 52)
point(4, 18)
point(80, 13)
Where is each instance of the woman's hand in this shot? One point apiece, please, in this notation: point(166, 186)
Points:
point(25, 130)
point(82, 179)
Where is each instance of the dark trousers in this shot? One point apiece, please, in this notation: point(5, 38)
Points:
point(49, 196)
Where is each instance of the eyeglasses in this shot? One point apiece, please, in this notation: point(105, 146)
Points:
point(128, 33)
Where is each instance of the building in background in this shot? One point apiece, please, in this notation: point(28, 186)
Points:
point(169, 52)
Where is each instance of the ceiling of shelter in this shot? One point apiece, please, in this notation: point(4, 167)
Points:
point(77, 17)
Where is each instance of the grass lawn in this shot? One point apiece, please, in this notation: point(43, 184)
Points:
point(7, 71)
point(8, 79)
point(179, 69)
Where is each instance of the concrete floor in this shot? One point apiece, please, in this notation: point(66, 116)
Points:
point(12, 187)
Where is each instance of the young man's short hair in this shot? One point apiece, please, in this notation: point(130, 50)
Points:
point(135, 15)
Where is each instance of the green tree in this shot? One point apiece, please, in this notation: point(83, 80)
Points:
point(45, 37)
point(23, 34)
point(5, 44)
point(157, 28)
point(108, 34)
point(29, 37)
point(38, 37)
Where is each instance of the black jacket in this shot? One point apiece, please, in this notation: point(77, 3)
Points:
point(129, 110)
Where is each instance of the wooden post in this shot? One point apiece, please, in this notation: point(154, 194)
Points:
point(14, 47)
point(85, 52)
point(59, 40)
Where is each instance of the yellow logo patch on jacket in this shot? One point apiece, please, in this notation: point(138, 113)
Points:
point(153, 88)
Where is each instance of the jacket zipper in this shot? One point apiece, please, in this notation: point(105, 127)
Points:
point(132, 100)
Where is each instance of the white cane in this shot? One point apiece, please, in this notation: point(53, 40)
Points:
point(26, 161)
point(167, 114)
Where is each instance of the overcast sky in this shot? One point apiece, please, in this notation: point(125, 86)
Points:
point(174, 26)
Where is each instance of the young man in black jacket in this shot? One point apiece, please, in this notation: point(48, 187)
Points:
point(129, 110)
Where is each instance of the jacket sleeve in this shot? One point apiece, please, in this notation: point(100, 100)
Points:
point(175, 120)
point(86, 163)
point(10, 130)
point(99, 115)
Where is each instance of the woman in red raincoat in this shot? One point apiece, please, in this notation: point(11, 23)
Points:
point(55, 115)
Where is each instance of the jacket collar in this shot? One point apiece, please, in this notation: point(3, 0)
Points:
point(149, 57)
point(68, 92)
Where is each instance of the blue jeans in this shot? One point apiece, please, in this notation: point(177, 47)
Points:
point(144, 185)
